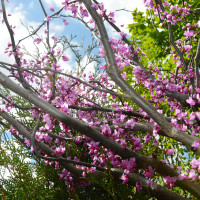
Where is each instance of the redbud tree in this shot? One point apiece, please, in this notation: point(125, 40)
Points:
point(135, 122)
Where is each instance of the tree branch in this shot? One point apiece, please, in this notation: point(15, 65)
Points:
point(154, 189)
point(142, 161)
point(114, 73)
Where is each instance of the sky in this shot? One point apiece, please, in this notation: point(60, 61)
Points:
point(27, 13)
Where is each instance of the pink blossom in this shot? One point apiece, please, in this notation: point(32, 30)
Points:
point(106, 130)
point(198, 90)
point(192, 174)
point(170, 181)
point(183, 128)
point(47, 119)
point(179, 64)
point(123, 143)
point(169, 152)
point(195, 145)
point(102, 159)
point(195, 25)
point(111, 17)
point(149, 183)
point(95, 6)
point(123, 35)
point(59, 51)
point(65, 127)
point(9, 44)
point(45, 31)
point(65, 22)
point(189, 33)
point(27, 142)
point(55, 38)
point(179, 168)
point(182, 177)
point(32, 149)
point(47, 19)
point(51, 8)
point(137, 145)
point(190, 101)
point(122, 118)
point(187, 48)
point(57, 141)
point(47, 138)
point(188, 25)
point(129, 123)
point(149, 172)
point(124, 178)
point(111, 14)
point(84, 174)
point(198, 23)
point(65, 2)
point(124, 75)
point(78, 139)
point(93, 147)
point(177, 112)
point(195, 163)
point(128, 165)
point(155, 143)
point(143, 54)
point(56, 165)
point(139, 186)
point(37, 40)
point(198, 115)
point(102, 53)
point(147, 138)
point(114, 105)
point(74, 9)
point(65, 58)
point(192, 116)
point(52, 51)
point(49, 126)
point(84, 12)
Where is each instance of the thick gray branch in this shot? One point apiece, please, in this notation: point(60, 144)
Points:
point(142, 161)
point(114, 73)
point(155, 189)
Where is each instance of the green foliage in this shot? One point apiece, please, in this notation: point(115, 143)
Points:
point(107, 187)
point(24, 177)
point(151, 35)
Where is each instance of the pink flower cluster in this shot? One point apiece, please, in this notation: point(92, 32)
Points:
point(69, 92)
